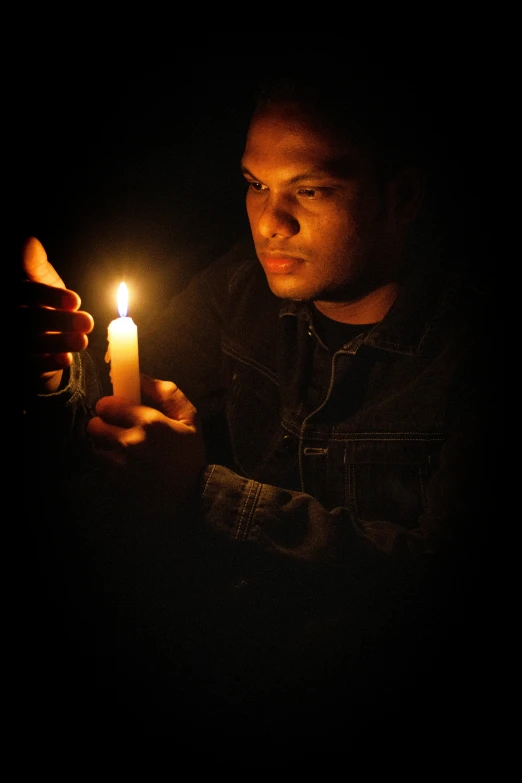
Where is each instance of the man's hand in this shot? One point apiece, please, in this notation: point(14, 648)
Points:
point(161, 445)
point(52, 325)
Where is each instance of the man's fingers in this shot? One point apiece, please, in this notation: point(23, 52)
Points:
point(49, 362)
point(36, 265)
point(32, 294)
point(62, 342)
point(48, 320)
point(169, 399)
point(116, 414)
point(113, 412)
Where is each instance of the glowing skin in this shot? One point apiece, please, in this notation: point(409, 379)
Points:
point(323, 228)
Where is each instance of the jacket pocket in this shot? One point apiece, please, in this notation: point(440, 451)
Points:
point(386, 476)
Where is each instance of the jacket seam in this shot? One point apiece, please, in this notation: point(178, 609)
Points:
point(251, 363)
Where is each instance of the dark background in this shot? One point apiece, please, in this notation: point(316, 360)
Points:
point(130, 170)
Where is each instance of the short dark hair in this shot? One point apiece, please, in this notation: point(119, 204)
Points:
point(385, 112)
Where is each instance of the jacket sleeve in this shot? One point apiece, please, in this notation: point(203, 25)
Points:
point(54, 425)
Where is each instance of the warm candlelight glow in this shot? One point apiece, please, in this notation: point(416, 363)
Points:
point(123, 300)
point(122, 352)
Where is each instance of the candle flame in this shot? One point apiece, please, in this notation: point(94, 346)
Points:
point(123, 300)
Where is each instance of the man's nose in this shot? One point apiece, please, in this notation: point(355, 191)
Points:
point(277, 219)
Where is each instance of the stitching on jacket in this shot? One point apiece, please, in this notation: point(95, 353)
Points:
point(244, 512)
point(370, 437)
point(228, 351)
point(212, 469)
point(257, 492)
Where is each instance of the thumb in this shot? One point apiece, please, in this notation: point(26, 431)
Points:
point(169, 399)
point(36, 265)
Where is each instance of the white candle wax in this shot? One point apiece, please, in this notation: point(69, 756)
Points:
point(123, 352)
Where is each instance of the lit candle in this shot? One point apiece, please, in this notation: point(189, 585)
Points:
point(122, 352)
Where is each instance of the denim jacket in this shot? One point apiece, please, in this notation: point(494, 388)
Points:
point(370, 454)
point(340, 486)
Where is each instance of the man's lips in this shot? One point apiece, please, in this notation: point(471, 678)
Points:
point(280, 264)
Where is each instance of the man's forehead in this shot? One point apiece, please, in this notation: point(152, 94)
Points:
point(287, 139)
point(292, 115)
point(290, 170)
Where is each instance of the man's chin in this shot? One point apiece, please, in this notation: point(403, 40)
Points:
point(285, 287)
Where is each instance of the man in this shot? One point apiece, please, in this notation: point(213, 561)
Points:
point(292, 522)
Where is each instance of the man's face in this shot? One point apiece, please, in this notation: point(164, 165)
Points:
point(322, 227)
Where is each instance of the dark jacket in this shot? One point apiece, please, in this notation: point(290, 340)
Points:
point(344, 514)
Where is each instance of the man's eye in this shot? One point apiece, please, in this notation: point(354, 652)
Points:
point(309, 192)
point(255, 186)
point(316, 194)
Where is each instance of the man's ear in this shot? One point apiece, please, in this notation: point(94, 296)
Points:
point(406, 194)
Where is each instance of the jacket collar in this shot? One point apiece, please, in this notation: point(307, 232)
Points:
point(428, 294)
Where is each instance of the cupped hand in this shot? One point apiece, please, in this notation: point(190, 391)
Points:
point(161, 443)
point(52, 324)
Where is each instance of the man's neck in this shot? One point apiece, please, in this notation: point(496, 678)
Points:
point(370, 309)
